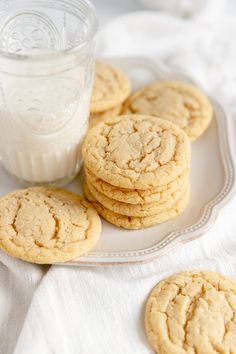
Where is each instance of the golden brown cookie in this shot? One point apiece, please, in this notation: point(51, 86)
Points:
point(96, 118)
point(137, 196)
point(137, 152)
point(177, 101)
point(111, 88)
point(135, 223)
point(45, 225)
point(139, 210)
point(192, 312)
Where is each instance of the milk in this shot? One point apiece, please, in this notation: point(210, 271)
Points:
point(43, 121)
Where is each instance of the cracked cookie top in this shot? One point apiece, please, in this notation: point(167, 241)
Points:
point(136, 151)
point(192, 312)
point(179, 102)
point(111, 88)
point(44, 225)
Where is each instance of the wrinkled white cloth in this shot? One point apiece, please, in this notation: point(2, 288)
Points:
point(204, 50)
point(66, 310)
point(187, 8)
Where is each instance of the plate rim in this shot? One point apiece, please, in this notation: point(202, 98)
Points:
point(211, 209)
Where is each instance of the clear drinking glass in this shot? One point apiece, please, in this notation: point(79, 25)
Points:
point(46, 74)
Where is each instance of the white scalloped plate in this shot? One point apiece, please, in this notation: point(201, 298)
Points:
point(212, 185)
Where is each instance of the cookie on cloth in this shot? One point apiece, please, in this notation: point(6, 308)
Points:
point(192, 312)
point(137, 152)
point(139, 210)
point(136, 196)
point(132, 222)
point(180, 102)
point(45, 225)
point(111, 88)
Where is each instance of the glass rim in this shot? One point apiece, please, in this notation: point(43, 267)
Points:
point(62, 52)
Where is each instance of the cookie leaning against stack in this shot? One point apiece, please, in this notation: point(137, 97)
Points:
point(177, 101)
point(137, 170)
point(47, 225)
point(111, 88)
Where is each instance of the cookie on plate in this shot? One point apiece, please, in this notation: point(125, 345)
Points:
point(180, 102)
point(135, 223)
point(192, 312)
point(96, 118)
point(46, 225)
point(111, 88)
point(137, 152)
point(137, 196)
point(139, 210)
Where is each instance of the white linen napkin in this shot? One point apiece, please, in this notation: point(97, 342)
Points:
point(188, 8)
point(100, 310)
point(204, 50)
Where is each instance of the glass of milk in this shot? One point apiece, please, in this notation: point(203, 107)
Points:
point(46, 75)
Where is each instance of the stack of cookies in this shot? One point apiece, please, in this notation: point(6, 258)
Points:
point(111, 88)
point(137, 170)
